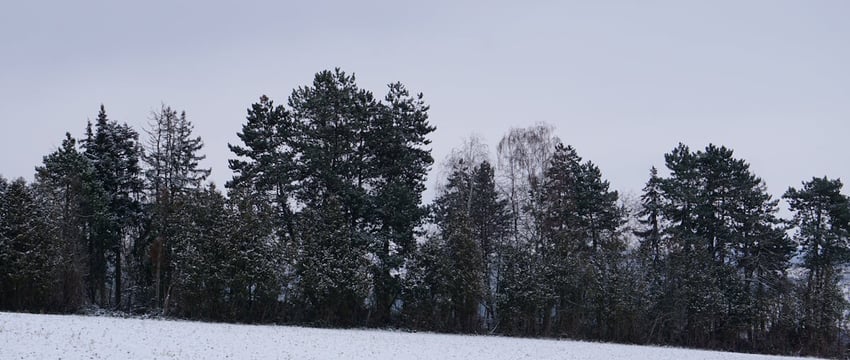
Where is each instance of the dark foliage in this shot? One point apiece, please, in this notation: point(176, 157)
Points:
point(323, 224)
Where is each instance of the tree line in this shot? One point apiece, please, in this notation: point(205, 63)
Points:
point(323, 223)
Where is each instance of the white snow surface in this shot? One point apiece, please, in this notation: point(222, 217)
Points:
point(28, 336)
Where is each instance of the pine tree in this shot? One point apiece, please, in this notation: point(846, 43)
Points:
point(599, 215)
point(332, 119)
point(581, 219)
point(822, 219)
point(563, 248)
point(335, 155)
point(721, 221)
point(761, 255)
point(559, 208)
point(266, 175)
point(265, 162)
point(399, 163)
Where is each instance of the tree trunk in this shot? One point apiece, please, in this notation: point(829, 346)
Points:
point(118, 276)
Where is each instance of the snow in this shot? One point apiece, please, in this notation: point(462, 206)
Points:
point(28, 336)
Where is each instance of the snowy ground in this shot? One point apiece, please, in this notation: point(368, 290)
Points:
point(25, 336)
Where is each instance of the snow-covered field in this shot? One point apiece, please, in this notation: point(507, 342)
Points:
point(25, 336)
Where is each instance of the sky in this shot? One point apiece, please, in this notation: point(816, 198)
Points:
point(622, 81)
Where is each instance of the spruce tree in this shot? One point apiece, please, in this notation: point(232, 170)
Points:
point(650, 217)
point(114, 154)
point(62, 183)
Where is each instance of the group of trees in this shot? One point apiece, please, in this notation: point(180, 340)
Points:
point(323, 223)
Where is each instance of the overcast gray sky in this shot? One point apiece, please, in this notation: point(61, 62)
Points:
point(623, 81)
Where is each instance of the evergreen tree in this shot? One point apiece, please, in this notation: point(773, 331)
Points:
point(323, 223)
point(62, 184)
point(265, 177)
point(265, 162)
point(399, 163)
point(465, 281)
point(761, 255)
point(113, 152)
point(563, 248)
point(652, 251)
point(4, 225)
point(489, 216)
point(26, 253)
point(482, 218)
point(722, 222)
point(581, 219)
point(457, 223)
point(822, 219)
point(332, 118)
point(172, 173)
point(525, 292)
point(204, 257)
point(256, 258)
point(650, 217)
point(559, 208)
point(425, 294)
point(338, 156)
point(332, 266)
